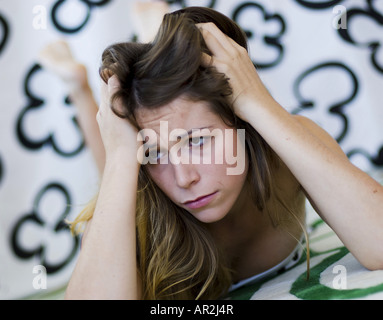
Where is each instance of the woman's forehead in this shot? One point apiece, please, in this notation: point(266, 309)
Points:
point(181, 113)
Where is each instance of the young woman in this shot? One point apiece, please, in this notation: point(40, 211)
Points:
point(189, 230)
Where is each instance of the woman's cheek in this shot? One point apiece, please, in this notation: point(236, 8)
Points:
point(160, 174)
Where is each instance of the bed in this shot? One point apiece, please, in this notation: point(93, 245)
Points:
point(334, 272)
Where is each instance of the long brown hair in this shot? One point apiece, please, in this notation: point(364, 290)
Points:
point(177, 257)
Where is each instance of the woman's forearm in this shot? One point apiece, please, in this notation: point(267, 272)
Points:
point(346, 197)
point(107, 267)
point(87, 109)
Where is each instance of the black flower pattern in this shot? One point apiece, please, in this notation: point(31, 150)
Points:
point(4, 27)
point(86, 5)
point(187, 3)
point(43, 233)
point(247, 16)
point(1, 170)
point(376, 160)
point(50, 138)
point(360, 19)
point(318, 4)
point(324, 102)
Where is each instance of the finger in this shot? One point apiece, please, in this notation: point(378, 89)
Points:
point(206, 60)
point(106, 74)
point(113, 85)
point(108, 87)
point(213, 44)
point(104, 94)
point(215, 39)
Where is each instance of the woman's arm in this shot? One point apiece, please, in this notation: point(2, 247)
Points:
point(58, 59)
point(86, 114)
point(107, 266)
point(348, 199)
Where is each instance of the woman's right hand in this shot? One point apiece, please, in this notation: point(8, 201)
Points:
point(119, 136)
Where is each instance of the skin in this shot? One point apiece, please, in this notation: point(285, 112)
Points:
point(251, 243)
point(345, 197)
point(184, 182)
point(312, 163)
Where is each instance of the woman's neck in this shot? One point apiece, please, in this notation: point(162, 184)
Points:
point(249, 240)
point(244, 224)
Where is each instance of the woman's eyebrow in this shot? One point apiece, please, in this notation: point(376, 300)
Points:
point(190, 132)
point(182, 136)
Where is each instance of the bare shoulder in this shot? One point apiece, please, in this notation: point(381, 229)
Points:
point(320, 133)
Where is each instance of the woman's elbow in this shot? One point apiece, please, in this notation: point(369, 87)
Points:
point(373, 261)
point(374, 265)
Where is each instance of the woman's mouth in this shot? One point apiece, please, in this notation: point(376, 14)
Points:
point(200, 201)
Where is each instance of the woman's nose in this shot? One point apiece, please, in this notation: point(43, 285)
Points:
point(185, 175)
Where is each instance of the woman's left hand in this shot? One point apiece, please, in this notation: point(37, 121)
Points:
point(233, 60)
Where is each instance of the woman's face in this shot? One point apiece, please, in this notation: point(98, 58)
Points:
point(194, 157)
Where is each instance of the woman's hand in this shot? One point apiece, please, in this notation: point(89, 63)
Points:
point(119, 136)
point(233, 60)
point(344, 196)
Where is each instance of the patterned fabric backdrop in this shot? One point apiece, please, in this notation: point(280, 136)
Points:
point(319, 58)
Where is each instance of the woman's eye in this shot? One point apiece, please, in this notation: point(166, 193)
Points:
point(159, 155)
point(154, 155)
point(197, 141)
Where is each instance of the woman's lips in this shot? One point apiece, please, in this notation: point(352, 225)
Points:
point(200, 202)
